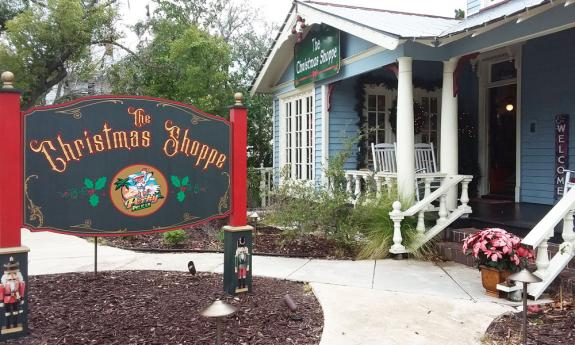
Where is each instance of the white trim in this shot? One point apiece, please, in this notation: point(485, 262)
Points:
point(292, 97)
point(313, 16)
point(518, 117)
point(347, 61)
point(485, 61)
point(325, 131)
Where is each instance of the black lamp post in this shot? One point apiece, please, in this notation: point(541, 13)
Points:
point(525, 277)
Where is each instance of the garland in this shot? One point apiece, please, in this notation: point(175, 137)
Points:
point(419, 116)
point(389, 83)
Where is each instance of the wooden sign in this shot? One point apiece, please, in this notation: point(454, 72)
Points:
point(561, 152)
point(102, 166)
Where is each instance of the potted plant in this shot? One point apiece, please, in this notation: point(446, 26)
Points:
point(498, 254)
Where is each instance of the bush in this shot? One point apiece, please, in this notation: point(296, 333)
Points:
point(175, 237)
point(303, 209)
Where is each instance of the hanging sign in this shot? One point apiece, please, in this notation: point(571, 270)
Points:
point(318, 56)
point(561, 152)
point(124, 165)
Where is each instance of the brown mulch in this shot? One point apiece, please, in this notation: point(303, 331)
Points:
point(549, 326)
point(267, 241)
point(156, 307)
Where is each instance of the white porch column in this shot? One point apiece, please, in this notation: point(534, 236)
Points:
point(449, 136)
point(405, 133)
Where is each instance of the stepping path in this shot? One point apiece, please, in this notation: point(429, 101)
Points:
point(364, 302)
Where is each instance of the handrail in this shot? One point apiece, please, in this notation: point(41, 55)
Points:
point(541, 231)
point(446, 185)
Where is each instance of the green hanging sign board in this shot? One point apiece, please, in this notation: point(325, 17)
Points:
point(317, 56)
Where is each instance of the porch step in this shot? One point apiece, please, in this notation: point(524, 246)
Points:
point(450, 248)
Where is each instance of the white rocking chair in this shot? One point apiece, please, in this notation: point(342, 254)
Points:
point(424, 163)
point(384, 158)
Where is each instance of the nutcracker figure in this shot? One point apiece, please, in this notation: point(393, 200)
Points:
point(242, 265)
point(12, 289)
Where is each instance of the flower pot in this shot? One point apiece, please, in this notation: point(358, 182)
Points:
point(490, 277)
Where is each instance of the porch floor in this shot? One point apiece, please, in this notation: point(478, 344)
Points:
point(518, 218)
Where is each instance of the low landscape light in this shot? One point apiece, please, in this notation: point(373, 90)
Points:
point(292, 306)
point(218, 310)
point(526, 277)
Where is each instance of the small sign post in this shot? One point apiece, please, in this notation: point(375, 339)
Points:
point(13, 256)
point(238, 235)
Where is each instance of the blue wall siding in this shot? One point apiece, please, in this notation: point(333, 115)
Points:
point(473, 6)
point(276, 142)
point(343, 121)
point(318, 140)
point(548, 72)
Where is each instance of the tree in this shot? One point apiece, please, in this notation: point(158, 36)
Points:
point(200, 76)
point(459, 14)
point(182, 63)
point(46, 38)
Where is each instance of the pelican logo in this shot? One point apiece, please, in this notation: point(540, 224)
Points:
point(139, 190)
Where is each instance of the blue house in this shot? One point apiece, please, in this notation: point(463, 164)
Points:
point(492, 92)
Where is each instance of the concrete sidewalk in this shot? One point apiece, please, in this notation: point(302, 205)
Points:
point(364, 302)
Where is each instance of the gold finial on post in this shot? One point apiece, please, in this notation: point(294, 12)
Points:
point(7, 80)
point(239, 97)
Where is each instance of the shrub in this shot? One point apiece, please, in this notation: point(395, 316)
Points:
point(175, 237)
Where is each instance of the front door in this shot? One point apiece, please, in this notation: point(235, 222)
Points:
point(502, 112)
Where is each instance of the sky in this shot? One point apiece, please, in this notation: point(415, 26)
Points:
point(275, 11)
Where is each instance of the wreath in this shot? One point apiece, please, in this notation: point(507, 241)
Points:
point(419, 117)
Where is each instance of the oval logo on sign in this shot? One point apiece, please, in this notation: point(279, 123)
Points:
point(138, 190)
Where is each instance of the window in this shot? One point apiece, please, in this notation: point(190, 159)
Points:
point(430, 116)
point(298, 136)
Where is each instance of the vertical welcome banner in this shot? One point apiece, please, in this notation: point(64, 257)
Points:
point(561, 152)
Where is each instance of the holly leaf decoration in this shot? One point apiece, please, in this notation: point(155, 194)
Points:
point(175, 181)
point(181, 196)
point(94, 200)
point(88, 183)
point(185, 181)
point(100, 183)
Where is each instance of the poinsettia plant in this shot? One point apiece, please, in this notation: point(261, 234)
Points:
point(497, 248)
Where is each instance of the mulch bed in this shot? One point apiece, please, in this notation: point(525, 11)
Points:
point(549, 326)
point(267, 241)
point(156, 307)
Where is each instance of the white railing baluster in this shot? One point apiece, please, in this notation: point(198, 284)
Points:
point(357, 186)
point(348, 178)
point(263, 189)
point(397, 216)
point(442, 209)
point(465, 193)
point(378, 186)
point(421, 223)
point(542, 260)
point(568, 234)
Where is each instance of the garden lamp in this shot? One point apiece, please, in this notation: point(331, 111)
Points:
point(525, 277)
point(218, 310)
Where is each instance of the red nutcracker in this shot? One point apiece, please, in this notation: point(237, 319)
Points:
point(12, 290)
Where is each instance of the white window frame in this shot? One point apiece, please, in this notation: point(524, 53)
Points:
point(297, 134)
point(391, 96)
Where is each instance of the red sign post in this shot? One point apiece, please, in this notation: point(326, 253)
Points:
point(13, 256)
point(238, 235)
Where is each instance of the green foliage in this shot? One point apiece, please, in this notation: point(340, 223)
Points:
point(303, 209)
point(45, 38)
point(201, 52)
point(175, 237)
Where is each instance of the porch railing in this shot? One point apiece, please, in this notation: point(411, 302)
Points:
point(538, 238)
point(445, 216)
point(266, 184)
